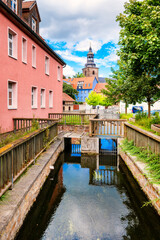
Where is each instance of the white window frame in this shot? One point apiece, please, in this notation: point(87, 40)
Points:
point(43, 97)
point(14, 5)
point(34, 94)
point(47, 65)
point(50, 99)
point(34, 24)
point(24, 50)
point(33, 56)
point(13, 41)
point(59, 74)
point(14, 94)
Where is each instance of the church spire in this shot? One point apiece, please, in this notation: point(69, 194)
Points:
point(90, 58)
point(90, 69)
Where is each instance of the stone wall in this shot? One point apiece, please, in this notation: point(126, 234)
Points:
point(75, 128)
point(18, 202)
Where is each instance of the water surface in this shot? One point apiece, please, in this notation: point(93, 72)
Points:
point(90, 197)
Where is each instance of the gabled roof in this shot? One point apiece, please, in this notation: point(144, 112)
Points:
point(87, 82)
point(67, 98)
point(28, 5)
point(99, 87)
point(13, 17)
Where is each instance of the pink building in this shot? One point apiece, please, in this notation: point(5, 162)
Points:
point(30, 71)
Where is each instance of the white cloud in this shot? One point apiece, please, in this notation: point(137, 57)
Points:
point(68, 71)
point(67, 55)
point(84, 45)
point(77, 20)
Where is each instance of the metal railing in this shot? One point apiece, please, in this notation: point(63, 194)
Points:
point(72, 118)
point(26, 124)
point(107, 127)
point(16, 157)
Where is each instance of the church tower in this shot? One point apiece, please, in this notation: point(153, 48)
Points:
point(90, 69)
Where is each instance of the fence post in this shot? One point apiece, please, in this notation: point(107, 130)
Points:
point(125, 130)
point(14, 125)
point(90, 128)
point(12, 170)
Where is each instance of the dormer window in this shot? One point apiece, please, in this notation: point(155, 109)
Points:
point(14, 5)
point(33, 24)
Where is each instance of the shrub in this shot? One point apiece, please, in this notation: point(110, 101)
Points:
point(141, 115)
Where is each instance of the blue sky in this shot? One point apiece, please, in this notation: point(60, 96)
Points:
point(69, 27)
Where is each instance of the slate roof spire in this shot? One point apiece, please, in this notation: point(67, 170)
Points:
point(90, 58)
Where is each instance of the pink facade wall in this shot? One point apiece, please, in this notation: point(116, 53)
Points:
point(26, 76)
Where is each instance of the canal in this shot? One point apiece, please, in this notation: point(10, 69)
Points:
point(90, 197)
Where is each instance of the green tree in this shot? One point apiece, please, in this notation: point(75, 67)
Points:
point(118, 88)
point(78, 75)
point(140, 49)
point(95, 99)
point(67, 88)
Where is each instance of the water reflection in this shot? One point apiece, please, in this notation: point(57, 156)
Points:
point(89, 198)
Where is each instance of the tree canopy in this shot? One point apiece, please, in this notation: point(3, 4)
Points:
point(67, 88)
point(95, 99)
point(78, 75)
point(138, 77)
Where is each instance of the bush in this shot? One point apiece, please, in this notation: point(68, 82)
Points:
point(156, 118)
point(141, 115)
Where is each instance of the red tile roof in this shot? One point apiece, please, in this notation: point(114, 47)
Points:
point(99, 87)
point(67, 98)
point(28, 4)
point(87, 82)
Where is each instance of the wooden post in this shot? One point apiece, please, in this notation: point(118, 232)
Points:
point(14, 126)
point(90, 128)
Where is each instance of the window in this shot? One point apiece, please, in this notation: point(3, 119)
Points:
point(85, 85)
point(34, 97)
point(33, 24)
point(50, 99)
point(47, 65)
point(80, 85)
point(12, 95)
point(33, 56)
point(24, 50)
point(88, 84)
point(12, 44)
point(93, 72)
point(59, 73)
point(42, 98)
point(14, 5)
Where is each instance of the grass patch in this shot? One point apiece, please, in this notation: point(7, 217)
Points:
point(11, 137)
point(152, 160)
point(126, 116)
point(74, 120)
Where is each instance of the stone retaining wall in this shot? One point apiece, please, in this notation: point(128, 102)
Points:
point(139, 172)
point(75, 128)
point(18, 202)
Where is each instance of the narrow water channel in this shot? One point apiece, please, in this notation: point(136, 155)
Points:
point(90, 198)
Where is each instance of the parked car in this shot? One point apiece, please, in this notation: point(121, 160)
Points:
point(136, 109)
